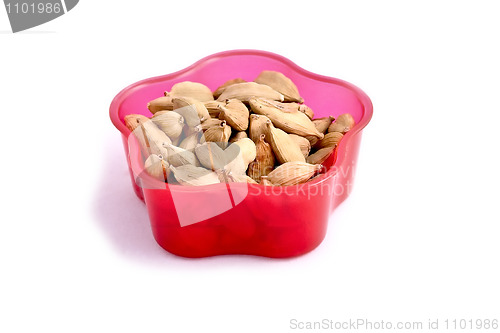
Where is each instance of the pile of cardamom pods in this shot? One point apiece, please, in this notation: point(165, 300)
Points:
point(255, 132)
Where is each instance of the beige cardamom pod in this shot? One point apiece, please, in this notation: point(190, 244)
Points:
point(284, 148)
point(194, 176)
point(322, 124)
point(191, 141)
point(214, 107)
point(257, 126)
point(264, 160)
point(219, 134)
point(236, 114)
point(211, 156)
point(193, 111)
point(238, 136)
point(178, 156)
point(343, 124)
point(291, 122)
point(303, 143)
point(293, 173)
point(211, 122)
point(239, 155)
point(331, 139)
point(247, 90)
point(226, 84)
point(307, 111)
point(281, 84)
point(321, 155)
point(151, 138)
point(195, 90)
point(157, 167)
point(169, 122)
point(161, 104)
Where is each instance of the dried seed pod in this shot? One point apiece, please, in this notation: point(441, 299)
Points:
point(157, 167)
point(343, 124)
point(236, 114)
point(194, 90)
point(151, 138)
point(211, 156)
point(246, 90)
point(134, 120)
point(191, 141)
point(214, 107)
point(303, 143)
point(291, 122)
point(211, 122)
point(331, 139)
point(281, 84)
point(284, 148)
point(264, 160)
point(248, 149)
point(257, 126)
point(238, 136)
point(322, 124)
point(293, 173)
point(178, 156)
point(236, 162)
point(194, 176)
point(219, 134)
point(161, 104)
point(226, 84)
point(320, 156)
point(169, 122)
point(192, 110)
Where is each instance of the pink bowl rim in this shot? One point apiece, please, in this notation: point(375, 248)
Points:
point(340, 151)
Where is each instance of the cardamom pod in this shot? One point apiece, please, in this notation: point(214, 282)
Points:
point(211, 156)
point(321, 155)
point(194, 176)
point(134, 120)
point(178, 156)
point(248, 149)
point(161, 104)
point(214, 107)
point(157, 167)
point(284, 148)
point(246, 90)
point(291, 122)
point(303, 143)
point(219, 134)
point(238, 136)
point(151, 138)
point(169, 122)
point(281, 84)
point(236, 114)
point(236, 163)
point(192, 110)
point(257, 126)
point(226, 84)
point(293, 173)
point(190, 142)
point(322, 124)
point(264, 160)
point(343, 124)
point(331, 139)
point(195, 90)
point(210, 122)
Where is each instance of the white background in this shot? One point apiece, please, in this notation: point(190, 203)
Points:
point(417, 239)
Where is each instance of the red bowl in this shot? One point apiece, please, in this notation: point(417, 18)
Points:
point(239, 218)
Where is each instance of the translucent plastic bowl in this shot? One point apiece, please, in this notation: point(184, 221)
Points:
point(240, 218)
